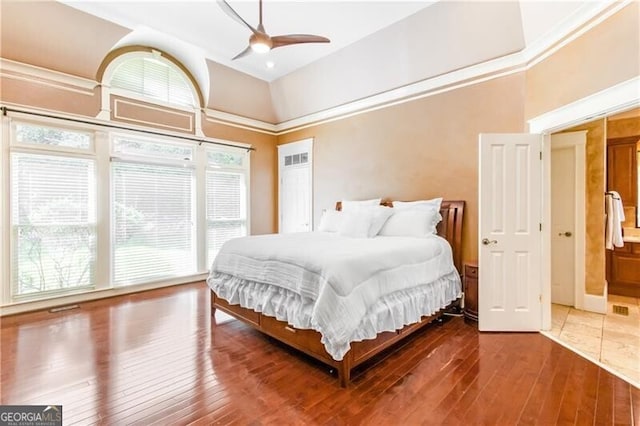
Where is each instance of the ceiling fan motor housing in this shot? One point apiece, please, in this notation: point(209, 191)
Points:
point(260, 42)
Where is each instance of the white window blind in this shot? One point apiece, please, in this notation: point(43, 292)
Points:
point(226, 209)
point(53, 223)
point(153, 220)
point(153, 78)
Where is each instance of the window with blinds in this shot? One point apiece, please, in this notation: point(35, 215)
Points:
point(59, 182)
point(226, 198)
point(53, 223)
point(153, 213)
point(155, 78)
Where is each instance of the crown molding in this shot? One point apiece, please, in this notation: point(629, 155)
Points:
point(38, 75)
point(239, 121)
point(474, 74)
point(587, 17)
point(617, 98)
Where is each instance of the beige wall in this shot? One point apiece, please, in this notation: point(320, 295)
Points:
point(237, 93)
point(623, 127)
point(55, 36)
point(603, 57)
point(48, 97)
point(420, 149)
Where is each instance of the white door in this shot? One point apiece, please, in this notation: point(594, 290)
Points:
point(510, 237)
point(567, 217)
point(296, 185)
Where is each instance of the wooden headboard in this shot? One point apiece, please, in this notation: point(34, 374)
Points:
point(450, 227)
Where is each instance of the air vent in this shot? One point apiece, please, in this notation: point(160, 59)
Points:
point(621, 310)
point(63, 308)
point(294, 159)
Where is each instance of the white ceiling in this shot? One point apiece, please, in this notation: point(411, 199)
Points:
point(202, 26)
point(205, 26)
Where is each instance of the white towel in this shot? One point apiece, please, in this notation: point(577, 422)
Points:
point(615, 218)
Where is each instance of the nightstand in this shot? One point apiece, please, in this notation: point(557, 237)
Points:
point(470, 283)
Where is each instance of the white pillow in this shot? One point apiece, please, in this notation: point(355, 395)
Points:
point(353, 205)
point(435, 202)
point(330, 221)
point(356, 224)
point(379, 216)
point(412, 223)
point(374, 216)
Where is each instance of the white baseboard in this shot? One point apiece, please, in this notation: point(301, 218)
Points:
point(88, 296)
point(593, 303)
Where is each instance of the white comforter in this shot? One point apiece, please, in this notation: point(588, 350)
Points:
point(333, 283)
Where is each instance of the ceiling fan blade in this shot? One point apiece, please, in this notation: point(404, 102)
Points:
point(245, 52)
point(285, 40)
point(234, 15)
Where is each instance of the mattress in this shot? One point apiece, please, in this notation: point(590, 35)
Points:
point(347, 289)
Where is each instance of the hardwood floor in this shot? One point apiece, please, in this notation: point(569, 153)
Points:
point(158, 357)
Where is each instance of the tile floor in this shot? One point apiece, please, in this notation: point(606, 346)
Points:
point(611, 339)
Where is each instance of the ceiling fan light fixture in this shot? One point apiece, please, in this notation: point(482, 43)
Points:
point(260, 41)
point(260, 47)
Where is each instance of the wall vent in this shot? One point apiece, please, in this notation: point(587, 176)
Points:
point(621, 310)
point(294, 159)
point(63, 308)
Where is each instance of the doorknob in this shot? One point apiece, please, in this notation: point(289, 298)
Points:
point(566, 234)
point(487, 241)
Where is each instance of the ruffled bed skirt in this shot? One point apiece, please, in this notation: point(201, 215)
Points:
point(390, 313)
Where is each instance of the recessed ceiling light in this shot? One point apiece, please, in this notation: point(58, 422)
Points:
point(270, 64)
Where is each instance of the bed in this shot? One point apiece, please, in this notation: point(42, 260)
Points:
point(246, 285)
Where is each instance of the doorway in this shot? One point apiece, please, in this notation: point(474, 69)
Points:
point(621, 97)
point(614, 349)
point(568, 156)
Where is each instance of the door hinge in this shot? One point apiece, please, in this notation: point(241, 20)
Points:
point(540, 227)
point(541, 155)
point(540, 298)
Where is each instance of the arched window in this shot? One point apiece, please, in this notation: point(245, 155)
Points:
point(139, 73)
point(152, 76)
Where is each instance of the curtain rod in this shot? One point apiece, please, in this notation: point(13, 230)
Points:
point(5, 110)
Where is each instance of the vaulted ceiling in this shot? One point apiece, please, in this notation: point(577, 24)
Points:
point(377, 47)
point(434, 27)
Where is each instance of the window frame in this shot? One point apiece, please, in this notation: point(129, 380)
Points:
point(118, 157)
point(14, 147)
point(245, 169)
point(101, 152)
point(154, 55)
point(27, 146)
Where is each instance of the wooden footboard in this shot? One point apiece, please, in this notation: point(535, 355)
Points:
point(308, 341)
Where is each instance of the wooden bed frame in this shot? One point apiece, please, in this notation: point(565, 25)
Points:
point(308, 341)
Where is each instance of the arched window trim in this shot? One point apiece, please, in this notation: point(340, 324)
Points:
point(111, 64)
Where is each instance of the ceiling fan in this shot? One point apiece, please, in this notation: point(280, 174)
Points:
point(260, 41)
